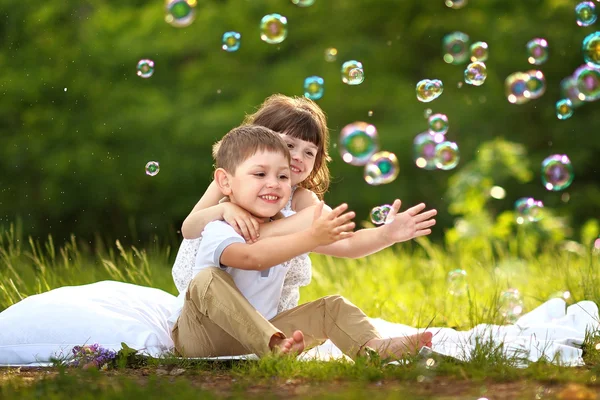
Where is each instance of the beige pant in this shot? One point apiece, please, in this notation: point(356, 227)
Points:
point(217, 320)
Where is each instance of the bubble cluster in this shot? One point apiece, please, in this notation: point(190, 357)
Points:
point(180, 13)
point(516, 88)
point(379, 214)
point(424, 150)
point(585, 13)
point(303, 3)
point(231, 41)
point(457, 282)
point(438, 124)
point(475, 73)
point(537, 51)
point(511, 304)
point(479, 51)
point(273, 28)
point(358, 142)
point(331, 54)
point(456, 48)
point(557, 172)
point(314, 87)
point(591, 49)
point(446, 155)
point(456, 4)
point(152, 168)
point(527, 209)
point(145, 68)
point(564, 109)
point(429, 90)
point(382, 168)
point(588, 82)
point(353, 72)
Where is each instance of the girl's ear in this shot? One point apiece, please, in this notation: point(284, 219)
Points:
point(222, 178)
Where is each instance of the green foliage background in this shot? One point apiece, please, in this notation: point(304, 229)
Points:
point(72, 160)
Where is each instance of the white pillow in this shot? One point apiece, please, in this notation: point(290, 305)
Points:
point(48, 325)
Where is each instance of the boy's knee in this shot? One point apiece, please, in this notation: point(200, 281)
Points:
point(206, 275)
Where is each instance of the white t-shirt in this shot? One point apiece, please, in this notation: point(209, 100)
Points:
point(261, 288)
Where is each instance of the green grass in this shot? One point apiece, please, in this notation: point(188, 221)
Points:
point(407, 284)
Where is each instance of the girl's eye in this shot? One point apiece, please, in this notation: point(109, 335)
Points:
point(310, 153)
point(290, 146)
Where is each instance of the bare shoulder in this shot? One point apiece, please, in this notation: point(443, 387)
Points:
point(303, 198)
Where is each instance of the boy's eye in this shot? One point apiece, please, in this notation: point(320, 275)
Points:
point(261, 174)
point(284, 177)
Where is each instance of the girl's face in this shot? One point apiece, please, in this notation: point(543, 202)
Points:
point(303, 155)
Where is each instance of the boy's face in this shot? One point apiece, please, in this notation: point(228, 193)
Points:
point(261, 184)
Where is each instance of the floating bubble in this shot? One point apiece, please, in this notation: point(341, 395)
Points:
point(273, 28)
point(456, 4)
point(352, 72)
point(537, 51)
point(231, 41)
point(152, 168)
point(427, 112)
point(527, 209)
point(564, 109)
point(585, 13)
point(569, 90)
point(479, 51)
point(591, 49)
point(145, 68)
point(370, 113)
point(382, 168)
point(536, 85)
point(303, 3)
point(498, 192)
point(438, 124)
point(456, 48)
point(429, 90)
point(314, 87)
point(457, 282)
point(511, 304)
point(424, 150)
point(475, 73)
point(379, 214)
point(446, 155)
point(180, 13)
point(588, 82)
point(557, 172)
point(358, 142)
point(331, 54)
point(516, 88)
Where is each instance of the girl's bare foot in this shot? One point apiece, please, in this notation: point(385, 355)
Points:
point(399, 347)
point(293, 345)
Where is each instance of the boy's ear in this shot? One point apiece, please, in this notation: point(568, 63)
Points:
point(222, 179)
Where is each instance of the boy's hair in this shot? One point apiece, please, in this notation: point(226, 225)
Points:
point(243, 142)
point(303, 119)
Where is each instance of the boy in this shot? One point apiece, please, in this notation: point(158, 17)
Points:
point(231, 309)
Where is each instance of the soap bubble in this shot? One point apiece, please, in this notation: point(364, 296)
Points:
point(231, 41)
point(145, 68)
point(591, 49)
point(331, 54)
point(564, 109)
point(569, 90)
point(429, 90)
point(382, 168)
point(456, 4)
point(379, 214)
point(557, 172)
point(352, 72)
point(585, 13)
point(424, 150)
point(446, 155)
point(527, 209)
point(457, 282)
point(358, 142)
point(588, 82)
point(152, 168)
point(427, 113)
point(475, 73)
point(303, 3)
point(314, 87)
point(536, 85)
point(456, 48)
point(516, 88)
point(479, 51)
point(511, 304)
point(273, 28)
point(537, 51)
point(438, 124)
point(180, 13)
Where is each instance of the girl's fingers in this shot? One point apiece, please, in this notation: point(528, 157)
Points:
point(345, 235)
point(336, 212)
point(245, 231)
point(346, 227)
point(255, 226)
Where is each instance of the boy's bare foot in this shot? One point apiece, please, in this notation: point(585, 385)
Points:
point(293, 345)
point(398, 347)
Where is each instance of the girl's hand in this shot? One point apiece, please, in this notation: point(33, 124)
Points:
point(333, 226)
point(242, 221)
point(408, 225)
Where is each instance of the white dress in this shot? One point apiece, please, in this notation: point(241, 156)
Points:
point(299, 268)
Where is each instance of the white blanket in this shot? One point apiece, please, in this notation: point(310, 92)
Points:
point(48, 325)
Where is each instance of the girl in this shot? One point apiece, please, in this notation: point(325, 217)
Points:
point(303, 126)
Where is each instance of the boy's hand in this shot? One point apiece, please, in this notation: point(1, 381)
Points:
point(408, 225)
point(330, 227)
point(242, 221)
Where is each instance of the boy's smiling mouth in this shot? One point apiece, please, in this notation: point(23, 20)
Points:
point(270, 198)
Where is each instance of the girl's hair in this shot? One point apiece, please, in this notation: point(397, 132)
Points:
point(303, 119)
